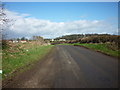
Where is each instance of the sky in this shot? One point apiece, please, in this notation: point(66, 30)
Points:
point(60, 0)
point(54, 19)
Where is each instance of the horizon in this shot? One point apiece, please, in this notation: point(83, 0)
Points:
point(61, 36)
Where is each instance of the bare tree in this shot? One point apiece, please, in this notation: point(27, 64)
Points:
point(4, 23)
point(39, 40)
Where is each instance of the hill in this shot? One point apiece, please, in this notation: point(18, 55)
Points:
point(77, 36)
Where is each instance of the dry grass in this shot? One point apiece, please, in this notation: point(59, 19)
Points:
point(21, 54)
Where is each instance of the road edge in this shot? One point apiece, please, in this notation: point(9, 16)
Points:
point(23, 69)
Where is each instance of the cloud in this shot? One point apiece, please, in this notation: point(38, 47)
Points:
point(29, 26)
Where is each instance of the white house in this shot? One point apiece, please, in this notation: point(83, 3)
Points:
point(62, 39)
point(52, 40)
point(23, 41)
point(15, 41)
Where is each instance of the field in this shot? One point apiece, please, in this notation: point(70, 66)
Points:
point(21, 54)
point(106, 48)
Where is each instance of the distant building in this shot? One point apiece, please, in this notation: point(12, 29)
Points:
point(62, 39)
point(52, 40)
point(23, 41)
point(15, 41)
point(10, 41)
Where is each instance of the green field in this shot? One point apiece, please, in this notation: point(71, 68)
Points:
point(14, 60)
point(104, 48)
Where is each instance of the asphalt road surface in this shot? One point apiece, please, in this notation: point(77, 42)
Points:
point(70, 67)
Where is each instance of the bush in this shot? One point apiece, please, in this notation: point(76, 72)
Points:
point(4, 44)
point(100, 39)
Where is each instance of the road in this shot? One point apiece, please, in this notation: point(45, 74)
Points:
point(70, 67)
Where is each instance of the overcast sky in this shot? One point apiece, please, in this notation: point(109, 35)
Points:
point(52, 19)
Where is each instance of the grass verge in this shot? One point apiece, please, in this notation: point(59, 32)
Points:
point(14, 61)
point(104, 48)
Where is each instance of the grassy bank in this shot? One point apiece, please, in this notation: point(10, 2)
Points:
point(14, 59)
point(104, 48)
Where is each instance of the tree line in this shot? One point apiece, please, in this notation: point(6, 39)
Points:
point(76, 36)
